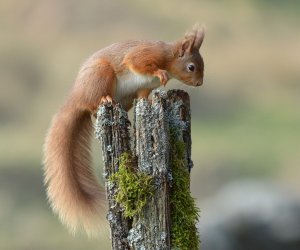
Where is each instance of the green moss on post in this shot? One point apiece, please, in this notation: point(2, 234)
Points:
point(134, 188)
point(184, 212)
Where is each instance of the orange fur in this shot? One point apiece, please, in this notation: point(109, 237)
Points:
point(148, 57)
point(121, 71)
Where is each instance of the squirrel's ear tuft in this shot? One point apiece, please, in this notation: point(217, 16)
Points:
point(199, 35)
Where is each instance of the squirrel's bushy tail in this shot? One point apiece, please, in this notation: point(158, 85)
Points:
point(72, 186)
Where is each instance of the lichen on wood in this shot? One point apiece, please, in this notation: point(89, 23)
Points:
point(151, 229)
point(112, 129)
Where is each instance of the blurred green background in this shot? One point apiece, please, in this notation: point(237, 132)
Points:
point(246, 116)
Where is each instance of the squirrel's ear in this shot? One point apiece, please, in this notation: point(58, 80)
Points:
point(200, 33)
point(192, 40)
point(187, 44)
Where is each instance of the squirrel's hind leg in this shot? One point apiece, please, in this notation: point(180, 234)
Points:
point(143, 93)
point(100, 85)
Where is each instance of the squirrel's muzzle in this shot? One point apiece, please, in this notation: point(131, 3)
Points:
point(199, 83)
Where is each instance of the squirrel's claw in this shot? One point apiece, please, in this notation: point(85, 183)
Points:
point(106, 99)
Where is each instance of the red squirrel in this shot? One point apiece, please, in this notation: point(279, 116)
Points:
point(120, 72)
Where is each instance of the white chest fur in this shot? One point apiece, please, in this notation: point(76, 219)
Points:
point(130, 82)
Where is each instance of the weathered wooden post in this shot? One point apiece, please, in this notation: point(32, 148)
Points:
point(112, 129)
point(148, 186)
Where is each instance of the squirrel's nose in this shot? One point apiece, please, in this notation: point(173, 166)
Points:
point(199, 83)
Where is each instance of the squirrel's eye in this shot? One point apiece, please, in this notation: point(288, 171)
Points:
point(190, 67)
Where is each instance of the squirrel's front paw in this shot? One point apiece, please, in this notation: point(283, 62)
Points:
point(162, 75)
